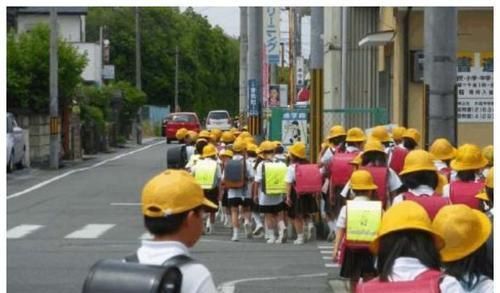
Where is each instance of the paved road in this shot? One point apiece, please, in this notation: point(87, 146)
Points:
point(56, 232)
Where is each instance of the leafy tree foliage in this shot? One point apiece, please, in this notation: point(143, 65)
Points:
point(208, 59)
point(28, 70)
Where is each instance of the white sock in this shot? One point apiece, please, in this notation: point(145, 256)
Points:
point(257, 219)
point(300, 236)
point(281, 225)
point(331, 225)
point(235, 231)
point(271, 233)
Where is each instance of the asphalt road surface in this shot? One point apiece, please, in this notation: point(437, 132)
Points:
point(61, 222)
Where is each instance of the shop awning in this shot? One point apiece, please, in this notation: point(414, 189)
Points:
point(377, 39)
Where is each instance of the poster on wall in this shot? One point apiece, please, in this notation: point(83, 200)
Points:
point(475, 87)
point(294, 128)
point(274, 96)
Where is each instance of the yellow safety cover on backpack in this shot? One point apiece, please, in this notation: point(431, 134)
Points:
point(363, 220)
point(205, 173)
point(274, 177)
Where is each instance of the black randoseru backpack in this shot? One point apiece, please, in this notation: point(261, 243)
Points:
point(129, 276)
point(177, 157)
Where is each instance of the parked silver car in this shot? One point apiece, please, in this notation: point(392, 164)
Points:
point(16, 146)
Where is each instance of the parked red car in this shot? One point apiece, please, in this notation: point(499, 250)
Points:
point(174, 121)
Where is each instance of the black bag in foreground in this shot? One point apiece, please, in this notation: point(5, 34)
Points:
point(177, 157)
point(111, 275)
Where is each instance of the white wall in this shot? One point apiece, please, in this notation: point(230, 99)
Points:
point(69, 25)
point(93, 70)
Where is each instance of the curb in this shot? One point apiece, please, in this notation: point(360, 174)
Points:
point(339, 285)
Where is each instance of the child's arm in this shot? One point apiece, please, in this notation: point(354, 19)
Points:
point(288, 192)
point(338, 237)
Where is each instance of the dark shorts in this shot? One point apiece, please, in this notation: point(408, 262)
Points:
point(358, 263)
point(236, 202)
point(225, 202)
point(272, 209)
point(213, 196)
point(302, 205)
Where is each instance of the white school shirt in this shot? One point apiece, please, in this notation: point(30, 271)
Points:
point(342, 219)
point(408, 268)
point(218, 172)
point(265, 200)
point(393, 181)
point(421, 189)
point(192, 161)
point(240, 192)
point(190, 150)
point(196, 278)
point(290, 174)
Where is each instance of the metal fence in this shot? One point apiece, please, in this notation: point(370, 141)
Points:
point(154, 114)
point(354, 117)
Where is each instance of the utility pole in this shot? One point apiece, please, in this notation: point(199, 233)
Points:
point(55, 134)
point(137, 127)
point(243, 62)
point(291, 51)
point(254, 69)
point(440, 72)
point(333, 60)
point(177, 109)
point(316, 94)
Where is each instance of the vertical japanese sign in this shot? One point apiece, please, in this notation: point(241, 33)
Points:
point(300, 72)
point(265, 79)
point(475, 86)
point(253, 95)
point(283, 95)
point(272, 34)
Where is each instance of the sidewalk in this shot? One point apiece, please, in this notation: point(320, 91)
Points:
point(24, 178)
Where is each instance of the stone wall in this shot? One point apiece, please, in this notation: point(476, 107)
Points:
point(39, 136)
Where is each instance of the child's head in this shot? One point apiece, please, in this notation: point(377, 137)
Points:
point(200, 144)
point(267, 149)
point(419, 169)
point(468, 161)
point(172, 205)
point(209, 151)
point(355, 137)
point(406, 231)
point(297, 152)
point(362, 184)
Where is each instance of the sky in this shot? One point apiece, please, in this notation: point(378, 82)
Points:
point(228, 18)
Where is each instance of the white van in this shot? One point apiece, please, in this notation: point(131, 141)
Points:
point(219, 119)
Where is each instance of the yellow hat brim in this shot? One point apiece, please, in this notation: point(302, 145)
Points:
point(457, 166)
point(433, 168)
point(448, 255)
point(208, 203)
point(482, 196)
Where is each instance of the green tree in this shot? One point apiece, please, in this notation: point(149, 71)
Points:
point(208, 59)
point(28, 70)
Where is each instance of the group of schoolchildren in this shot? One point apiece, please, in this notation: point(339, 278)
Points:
point(400, 218)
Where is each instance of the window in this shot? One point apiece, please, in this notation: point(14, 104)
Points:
point(182, 118)
point(218, 115)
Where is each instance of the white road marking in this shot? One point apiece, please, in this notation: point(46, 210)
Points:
point(229, 287)
point(327, 257)
point(42, 184)
point(326, 252)
point(332, 265)
point(21, 231)
point(90, 231)
point(126, 204)
point(326, 247)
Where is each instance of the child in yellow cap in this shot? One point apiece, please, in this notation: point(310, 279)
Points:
point(443, 152)
point(251, 161)
point(487, 152)
point(486, 196)
point(173, 207)
point(407, 249)
point(468, 164)
point(207, 172)
point(465, 253)
point(356, 260)
point(193, 159)
point(224, 214)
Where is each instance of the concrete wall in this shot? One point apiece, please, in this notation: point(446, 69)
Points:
point(39, 136)
point(475, 33)
point(70, 26)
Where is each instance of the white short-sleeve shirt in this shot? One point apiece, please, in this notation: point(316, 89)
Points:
point(394, 183)
point(196, 278)
point(420, 190)
point(290, 174)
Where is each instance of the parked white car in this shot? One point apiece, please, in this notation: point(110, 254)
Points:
point(219, 119)
point(16, 146)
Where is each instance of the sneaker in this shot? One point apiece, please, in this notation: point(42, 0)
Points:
point(331, 236)
point(248, 230)
point(281, 237)
point(299, 240)
point(209, 228)
point(258, 230)
point(227, 223)
point(235, 238)
point(271, 240)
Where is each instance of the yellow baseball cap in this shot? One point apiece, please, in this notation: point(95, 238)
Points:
point(172, 192)
point(464, 230)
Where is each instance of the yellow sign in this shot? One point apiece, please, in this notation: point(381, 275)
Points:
point(205, 173)
point(275, 178)
point(363, 220)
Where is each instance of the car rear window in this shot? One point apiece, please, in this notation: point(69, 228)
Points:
point(218, 115)
point(182, 118)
